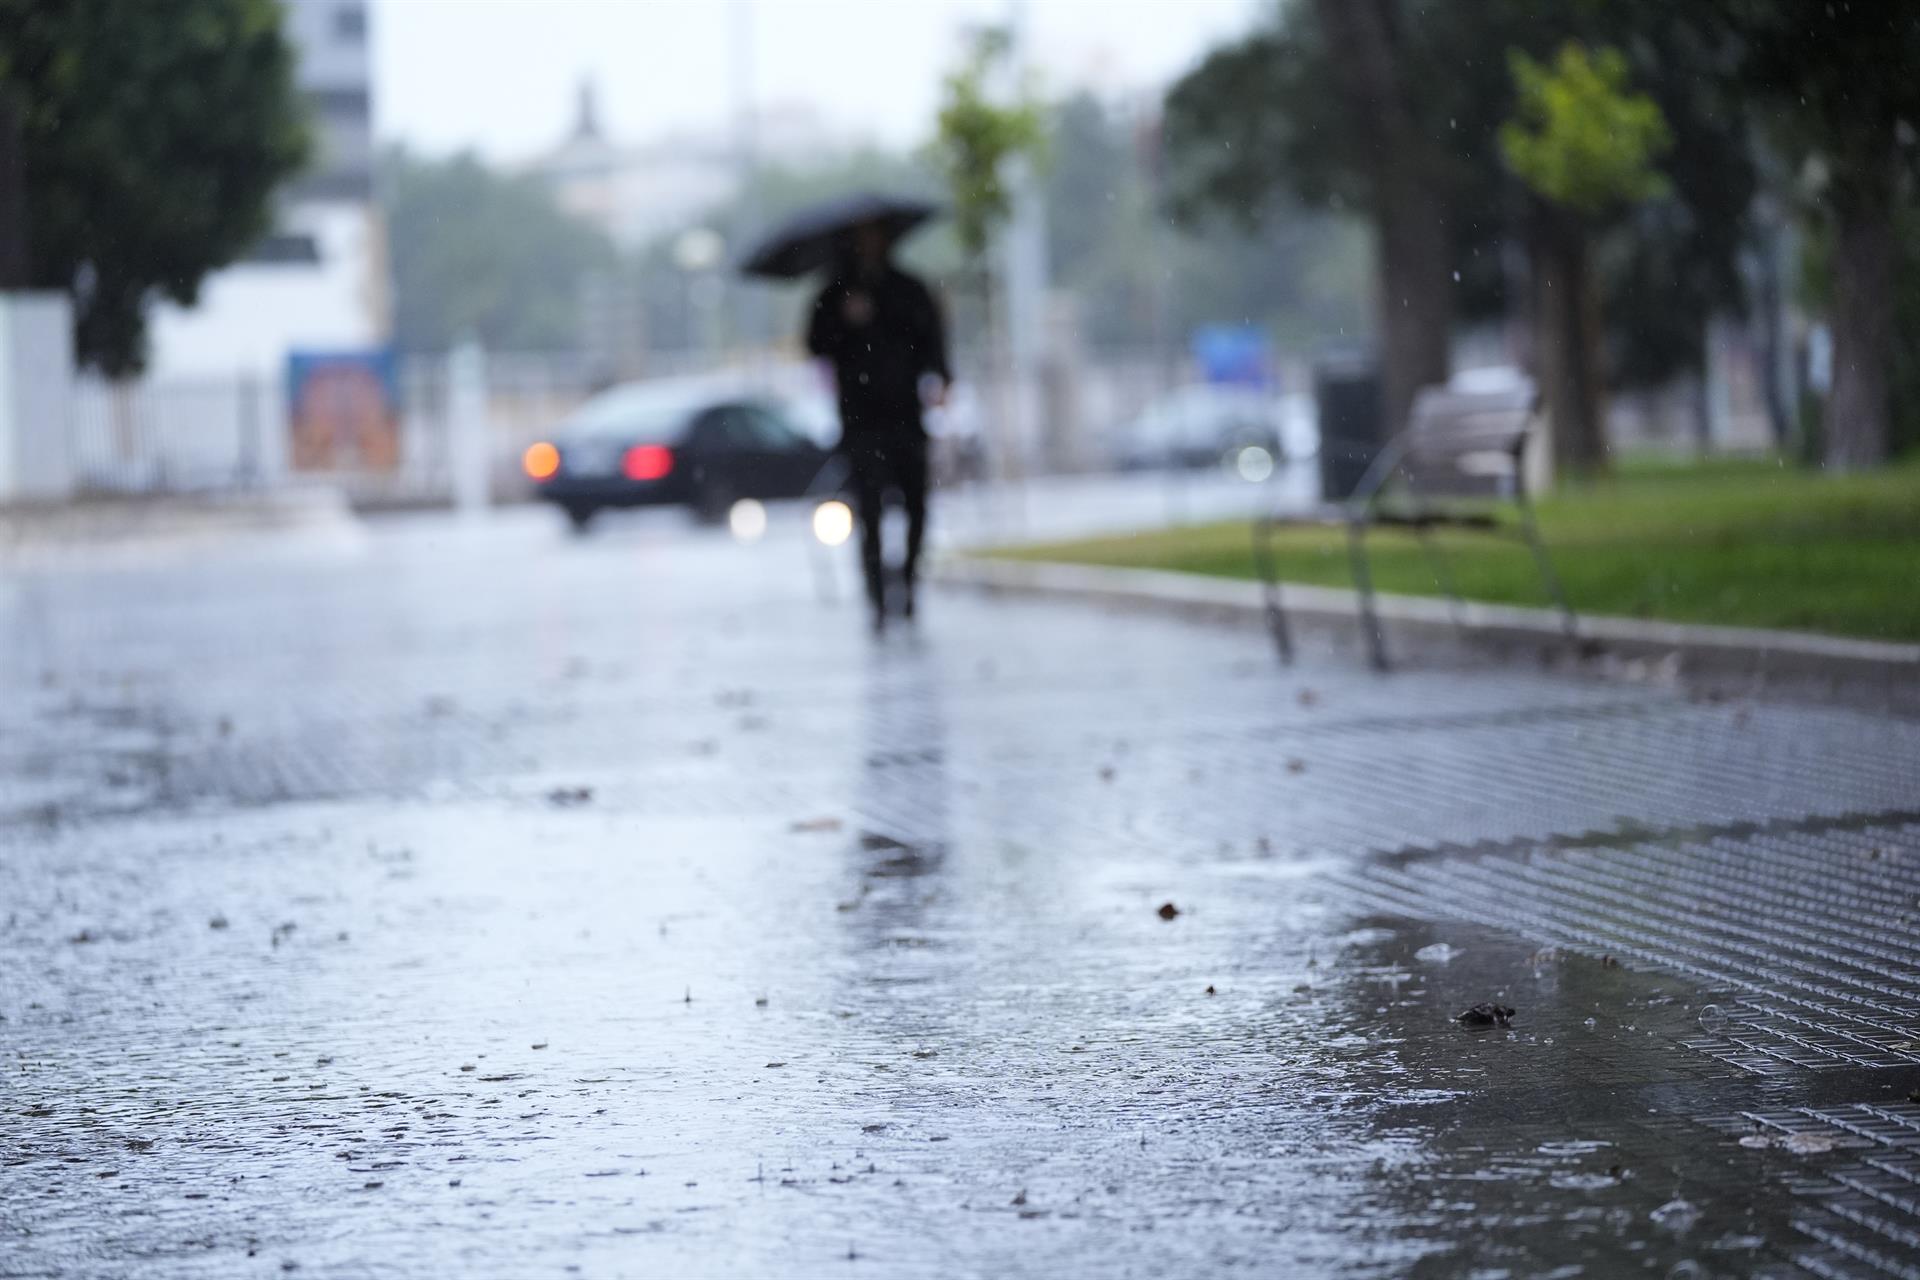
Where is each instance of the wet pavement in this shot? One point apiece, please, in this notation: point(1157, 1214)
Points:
point(482, 901)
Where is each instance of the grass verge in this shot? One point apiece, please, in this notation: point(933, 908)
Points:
point(1747, 543)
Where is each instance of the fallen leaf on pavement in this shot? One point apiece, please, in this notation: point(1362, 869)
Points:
point(1168, 911)
point(816, 824)
point(1485, 1014)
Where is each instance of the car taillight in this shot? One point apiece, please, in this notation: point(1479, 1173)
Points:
point(541, 461)
point(647, 462)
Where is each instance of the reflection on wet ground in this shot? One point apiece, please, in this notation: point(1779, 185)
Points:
point(544, 934)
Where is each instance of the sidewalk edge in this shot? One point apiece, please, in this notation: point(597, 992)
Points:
point(1414, 621)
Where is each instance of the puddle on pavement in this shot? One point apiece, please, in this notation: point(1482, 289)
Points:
point(560, 1039)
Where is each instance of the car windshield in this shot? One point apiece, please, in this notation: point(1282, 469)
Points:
point(654, 415)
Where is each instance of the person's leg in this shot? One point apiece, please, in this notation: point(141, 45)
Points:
point(910, 474)
point(869, 495)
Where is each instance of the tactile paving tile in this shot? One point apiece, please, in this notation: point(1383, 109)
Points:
point(1810, 930)
point(1856, 1170)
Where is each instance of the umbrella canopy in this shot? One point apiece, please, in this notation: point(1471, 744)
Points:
point(809, 239)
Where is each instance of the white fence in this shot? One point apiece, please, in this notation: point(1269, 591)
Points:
point(188, 435)
point(185, 435)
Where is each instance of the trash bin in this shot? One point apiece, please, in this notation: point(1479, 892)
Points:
point(1346, 390)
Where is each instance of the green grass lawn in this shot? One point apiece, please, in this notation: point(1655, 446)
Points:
point(1748, 543)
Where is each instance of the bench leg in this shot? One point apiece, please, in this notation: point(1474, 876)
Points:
point(1270, 588)
point(1443, 574)
point(1568, 622)
point(1363, 584)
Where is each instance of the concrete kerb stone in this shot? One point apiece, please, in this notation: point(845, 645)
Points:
point(31, 532)
point(1422, 631)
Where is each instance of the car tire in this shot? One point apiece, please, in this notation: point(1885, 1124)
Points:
point(579, 517)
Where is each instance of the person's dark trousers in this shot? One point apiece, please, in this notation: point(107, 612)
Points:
point(899, 464)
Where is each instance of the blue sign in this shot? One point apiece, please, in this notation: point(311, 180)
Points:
point(1233, 355)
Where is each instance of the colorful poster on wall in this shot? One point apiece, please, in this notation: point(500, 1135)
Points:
point(344, 408)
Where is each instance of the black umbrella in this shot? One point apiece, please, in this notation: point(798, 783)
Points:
point(809, 239)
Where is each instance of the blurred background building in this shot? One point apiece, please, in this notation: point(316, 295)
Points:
point(320, 280)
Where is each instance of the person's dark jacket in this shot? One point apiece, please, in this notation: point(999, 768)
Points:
point(878, 365)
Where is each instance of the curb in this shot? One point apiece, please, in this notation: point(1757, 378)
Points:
point(35, 532)
point(1416, 626)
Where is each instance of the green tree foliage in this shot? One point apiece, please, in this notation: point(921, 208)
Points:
point(479, 253)
point(977, 138)
point(154, 136)
point(1264, 117)
point(1579, 137)
point(1584, 144)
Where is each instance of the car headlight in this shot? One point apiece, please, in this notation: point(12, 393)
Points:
point(833, 522)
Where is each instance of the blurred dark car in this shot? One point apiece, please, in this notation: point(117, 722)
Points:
point(645, 444)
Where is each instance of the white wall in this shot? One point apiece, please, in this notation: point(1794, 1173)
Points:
point(36, 377)
point(252, 314)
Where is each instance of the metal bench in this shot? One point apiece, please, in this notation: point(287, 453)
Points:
point(1461, 460)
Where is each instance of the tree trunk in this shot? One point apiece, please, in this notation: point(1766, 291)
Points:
point(1856, 418)
point(15, 264)
point(1566, 308)
point(1416, 294)
point(1409, 212)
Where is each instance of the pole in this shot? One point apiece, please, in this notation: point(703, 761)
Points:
point(1024, 261)
point(467, 421)
point(748, 309)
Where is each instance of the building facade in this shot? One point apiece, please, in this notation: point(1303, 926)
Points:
point(320, 280)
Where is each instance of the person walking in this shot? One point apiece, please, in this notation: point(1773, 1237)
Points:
point(881, 330)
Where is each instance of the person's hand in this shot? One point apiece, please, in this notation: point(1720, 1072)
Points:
point(935, 393)
point(857, 308)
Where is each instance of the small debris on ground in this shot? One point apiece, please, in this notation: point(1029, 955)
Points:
point(1168, 911)
point(218, 922)
point(1307, 697)
point(1210, 990)
point(1485, 1014)
point(1807, 1144)
point(1021, 1198)
point(1296, 765)
point(283, 931)
point(815, 824)
point(1608, 962)
point(567, 797)
point(1106, 773)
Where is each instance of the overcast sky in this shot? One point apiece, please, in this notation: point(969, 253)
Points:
point(500, 75)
